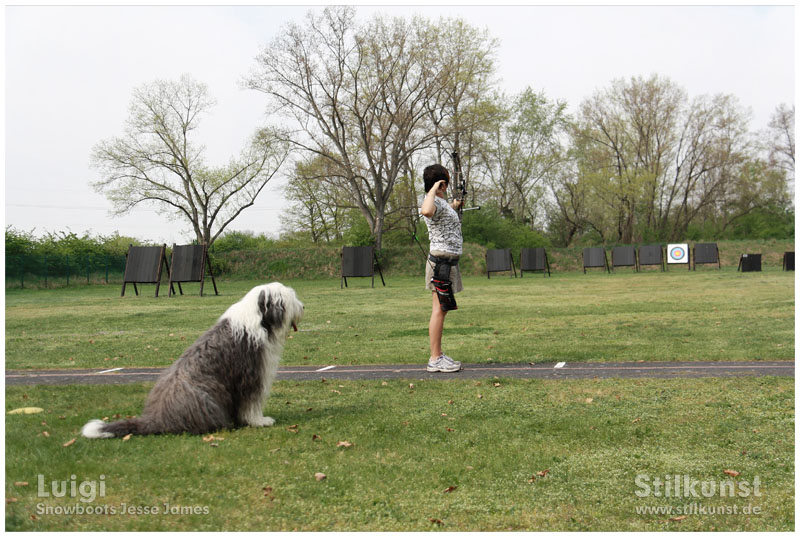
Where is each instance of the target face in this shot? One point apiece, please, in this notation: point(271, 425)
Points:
point(678, 253)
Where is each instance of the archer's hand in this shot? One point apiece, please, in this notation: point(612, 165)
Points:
point(457, 204)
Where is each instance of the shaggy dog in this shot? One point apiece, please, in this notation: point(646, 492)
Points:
point(222, 380)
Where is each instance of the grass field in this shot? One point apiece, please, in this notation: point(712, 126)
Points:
point(455, 455)
point(483, 441)
point(680, 315)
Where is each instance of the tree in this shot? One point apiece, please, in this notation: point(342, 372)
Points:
point(522, 149)
point(711, 154)
point(465, 106)
point(566, 208)
point(157, 162)
point(652, 162)
point(361, 97)
point(622, 140)
point(780, 140)
point(318, 204)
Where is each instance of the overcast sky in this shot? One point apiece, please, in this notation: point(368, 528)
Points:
point(70, 73)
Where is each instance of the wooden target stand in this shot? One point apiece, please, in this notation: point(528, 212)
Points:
point(359, 262)
point(144, 264)
point(189, 263)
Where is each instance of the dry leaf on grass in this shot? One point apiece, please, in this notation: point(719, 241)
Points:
point(26, 410)
point(45, 434)
point(541, 473)
point(678, 518)
point(449, 489)
point(589, 400)
point(67, 444)
point(319, 476)
point(732, 473)
point(127, 437)
point(20, 483)
point(436, 521)
point(315, 437)
point(344, 443)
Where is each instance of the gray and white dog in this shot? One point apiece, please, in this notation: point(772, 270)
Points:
point(222, 380)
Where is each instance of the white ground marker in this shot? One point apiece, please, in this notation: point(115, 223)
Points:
point(559, 365)
point(325, 368)
point(110, 370)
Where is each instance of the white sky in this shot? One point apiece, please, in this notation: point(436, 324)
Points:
point(70, 73)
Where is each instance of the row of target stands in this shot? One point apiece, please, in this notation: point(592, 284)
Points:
point(360, 261)
point(674, 255)
point(144, 264)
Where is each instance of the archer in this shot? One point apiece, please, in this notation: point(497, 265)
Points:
point(442, 275)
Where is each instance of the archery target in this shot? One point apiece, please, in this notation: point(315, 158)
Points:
point(677, 253)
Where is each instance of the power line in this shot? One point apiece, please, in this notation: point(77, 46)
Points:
point(33, 206)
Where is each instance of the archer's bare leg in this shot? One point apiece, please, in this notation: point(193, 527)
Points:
point(436, 327)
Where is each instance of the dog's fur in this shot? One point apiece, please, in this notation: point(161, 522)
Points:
point(222, 380)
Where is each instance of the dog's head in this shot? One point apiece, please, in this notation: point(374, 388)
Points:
point(269, 310)
point(279, 308)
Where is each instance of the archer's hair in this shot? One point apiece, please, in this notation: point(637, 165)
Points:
point(434, 173)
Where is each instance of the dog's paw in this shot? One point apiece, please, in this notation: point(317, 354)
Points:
point(263, 421)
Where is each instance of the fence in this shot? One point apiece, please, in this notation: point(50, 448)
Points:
point(62, 270)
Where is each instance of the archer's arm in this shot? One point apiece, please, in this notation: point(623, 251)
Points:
point(428, 208)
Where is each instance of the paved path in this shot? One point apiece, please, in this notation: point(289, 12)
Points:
point(561, 370)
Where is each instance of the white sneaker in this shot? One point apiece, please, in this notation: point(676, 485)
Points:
point(443, 364)
point(451, 361)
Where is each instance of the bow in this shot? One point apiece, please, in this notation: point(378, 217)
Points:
point(461, 184)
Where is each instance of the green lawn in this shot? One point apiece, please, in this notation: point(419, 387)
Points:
point(679, 315)
point(483, 441)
